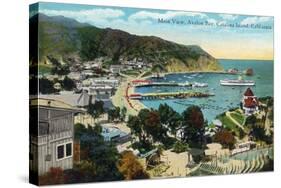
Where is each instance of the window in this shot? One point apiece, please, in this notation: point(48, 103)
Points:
point(64, 151)
point(60, 152)
point(68, 149)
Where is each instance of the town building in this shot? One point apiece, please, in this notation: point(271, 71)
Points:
point(100, 90)
point(250, 103)
point(115, 69)
point(114, 134)
point(51, 135)
point(106, 81)
point(75, 76)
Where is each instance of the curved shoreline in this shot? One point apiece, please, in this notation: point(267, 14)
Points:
point(125, 89)
point(121, 98)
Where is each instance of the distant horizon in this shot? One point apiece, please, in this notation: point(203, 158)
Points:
point(246, 59)
point(225, 36)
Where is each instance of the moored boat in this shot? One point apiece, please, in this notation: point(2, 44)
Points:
point(227, 82)
point(197, 84)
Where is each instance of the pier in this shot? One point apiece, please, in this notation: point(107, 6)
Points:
point(171, 84)
point(169, 95)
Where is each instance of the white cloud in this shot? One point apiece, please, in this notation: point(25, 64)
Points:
point(228, 16)
point(255, 20)
point(167, 15)
point(91, 16)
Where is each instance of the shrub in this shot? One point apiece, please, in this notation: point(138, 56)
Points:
point(53, 176)
point(180, 147)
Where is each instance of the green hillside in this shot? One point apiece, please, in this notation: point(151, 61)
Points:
point(60, 37)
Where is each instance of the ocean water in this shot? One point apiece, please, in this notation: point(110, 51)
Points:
point(225, 97)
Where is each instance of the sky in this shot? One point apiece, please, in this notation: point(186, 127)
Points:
point(224, 36)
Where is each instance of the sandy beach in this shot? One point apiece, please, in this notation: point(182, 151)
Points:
point(121, 100)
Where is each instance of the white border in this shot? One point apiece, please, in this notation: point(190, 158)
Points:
point(14, 95)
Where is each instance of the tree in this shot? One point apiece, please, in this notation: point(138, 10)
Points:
point(194, 126)
point(46, 86)
point(170, 118)
point(68, 84)
point(79, 130)
point(258, 133)
point(153, 127)
point(96, 109)
point(102, 155)
point(130, 167)
point(123, 114)
point(251, 121)
point(135, 125)
point(225, 138)
point(114, 114)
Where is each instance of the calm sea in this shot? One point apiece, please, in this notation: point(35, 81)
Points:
point(226, 97)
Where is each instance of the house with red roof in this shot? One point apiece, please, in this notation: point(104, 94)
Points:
point(250, 102)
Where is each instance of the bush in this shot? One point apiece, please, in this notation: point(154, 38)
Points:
point(130, 167)
point(52, 177)
point(225, 138)
point(180, 147)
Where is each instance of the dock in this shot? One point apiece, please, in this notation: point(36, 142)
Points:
point(170, 84)
point(169, 95)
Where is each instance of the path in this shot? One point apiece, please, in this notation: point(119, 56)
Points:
point(234, 120)
point(177, 163)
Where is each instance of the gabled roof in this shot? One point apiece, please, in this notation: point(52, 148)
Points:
point(248, 92)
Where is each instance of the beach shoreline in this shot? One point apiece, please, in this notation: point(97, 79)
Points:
point(121, 98)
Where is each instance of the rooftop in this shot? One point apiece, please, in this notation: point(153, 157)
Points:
point(249, 92)
point(47, 102)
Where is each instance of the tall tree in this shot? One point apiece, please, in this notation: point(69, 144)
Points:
point(194, 126)
point(170, 118)
point(136, 127)
point(153, 127)
point(123, 114)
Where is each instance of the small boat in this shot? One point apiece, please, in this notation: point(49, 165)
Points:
point(184, 84)
point(158, 76)
point(197, 84)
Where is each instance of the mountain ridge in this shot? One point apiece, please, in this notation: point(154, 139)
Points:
point(61, 37)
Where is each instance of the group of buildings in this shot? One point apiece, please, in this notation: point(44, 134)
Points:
point(52, 116)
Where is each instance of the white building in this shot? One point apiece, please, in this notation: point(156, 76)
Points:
point(115, 69)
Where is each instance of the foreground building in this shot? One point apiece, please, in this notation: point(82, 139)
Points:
point(51, 135)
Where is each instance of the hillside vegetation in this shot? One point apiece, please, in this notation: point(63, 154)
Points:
point(62, 38)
